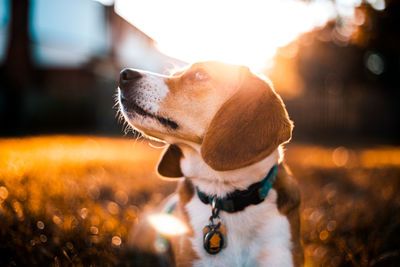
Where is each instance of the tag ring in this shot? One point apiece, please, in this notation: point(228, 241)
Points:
point(214, 208)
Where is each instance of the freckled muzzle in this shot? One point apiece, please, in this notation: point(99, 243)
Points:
point(130, 83)
point(127, 81)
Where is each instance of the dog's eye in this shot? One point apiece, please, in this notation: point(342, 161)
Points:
point(199, 75)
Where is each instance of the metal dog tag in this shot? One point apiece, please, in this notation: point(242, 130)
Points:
point(214, 238)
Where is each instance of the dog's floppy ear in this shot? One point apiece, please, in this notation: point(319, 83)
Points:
point(248, 127)
point(169, 165)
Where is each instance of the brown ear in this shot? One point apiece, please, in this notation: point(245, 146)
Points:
point(169, 165)
point(247, 128)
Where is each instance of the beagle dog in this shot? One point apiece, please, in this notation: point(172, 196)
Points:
point(224, 126)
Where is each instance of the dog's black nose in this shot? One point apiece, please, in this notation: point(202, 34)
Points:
point(129, 75)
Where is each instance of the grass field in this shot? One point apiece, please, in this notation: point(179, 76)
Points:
point(73, 200)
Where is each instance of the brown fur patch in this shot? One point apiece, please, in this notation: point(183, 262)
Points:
point(169, 165)
point(192, 102)
point(247, 128)
point(288, 205)
point(182, 247)
point(185, 191)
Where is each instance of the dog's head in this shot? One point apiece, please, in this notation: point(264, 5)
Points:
point(234, 115)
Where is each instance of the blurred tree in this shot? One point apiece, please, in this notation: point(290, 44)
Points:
point(348, 71)
point(17, 68)
point(379, 35)
point(36, 98)
point(18, 58)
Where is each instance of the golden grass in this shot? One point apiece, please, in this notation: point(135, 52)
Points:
point(64, 187)
point(328, 157)
point(73, 200)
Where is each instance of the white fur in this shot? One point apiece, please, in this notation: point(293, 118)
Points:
point(152, 91)
point(257, 236)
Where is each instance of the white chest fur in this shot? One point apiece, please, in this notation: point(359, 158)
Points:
point(257, 236)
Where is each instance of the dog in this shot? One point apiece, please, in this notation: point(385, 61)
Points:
point(225, 127)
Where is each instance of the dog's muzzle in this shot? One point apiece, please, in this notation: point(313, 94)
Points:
point(128, 86)
point(127, 80)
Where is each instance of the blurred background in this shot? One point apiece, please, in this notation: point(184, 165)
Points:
point(335, 63)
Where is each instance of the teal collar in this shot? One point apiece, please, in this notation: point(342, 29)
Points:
point(239, 200)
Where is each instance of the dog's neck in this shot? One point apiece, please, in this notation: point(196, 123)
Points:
point(218, 183)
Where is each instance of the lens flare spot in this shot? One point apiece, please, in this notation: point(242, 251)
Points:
point(323, 235)
point(340, 156)
point(375, 63)
point(116, 241)
point(94, 230)
point(113, 208)
point(167, 224)
point(57, 220)
point(43, 238)
point(331, 226)
point(40, 225)
point(83, 213)
point(3, 192)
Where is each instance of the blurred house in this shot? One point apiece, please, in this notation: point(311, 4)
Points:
point(59, 65)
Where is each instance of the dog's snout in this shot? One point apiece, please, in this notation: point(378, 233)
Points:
point(128, 75)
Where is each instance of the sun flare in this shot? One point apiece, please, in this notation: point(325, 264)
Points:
point(239, 32)
point(167, 224)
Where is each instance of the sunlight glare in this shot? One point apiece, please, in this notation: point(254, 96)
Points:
point(167, 224)
point(105, 2)
point(239, 32)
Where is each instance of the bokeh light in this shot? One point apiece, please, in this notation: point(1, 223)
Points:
point(40, 225)
point(116, 241)
point(375, 63)
point(3, 193)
